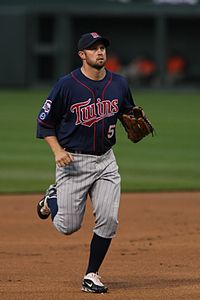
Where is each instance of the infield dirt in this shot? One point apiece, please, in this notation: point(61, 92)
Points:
point(155, 254)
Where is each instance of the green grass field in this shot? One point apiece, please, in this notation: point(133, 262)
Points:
point(168, 161)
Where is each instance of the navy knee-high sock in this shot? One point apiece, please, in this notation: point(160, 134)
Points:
point(52, 204)
point(98, 249)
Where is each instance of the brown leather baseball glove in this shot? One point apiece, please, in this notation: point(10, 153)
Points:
point(136, 124)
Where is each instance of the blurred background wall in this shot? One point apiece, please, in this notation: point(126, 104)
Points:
point(155, 42)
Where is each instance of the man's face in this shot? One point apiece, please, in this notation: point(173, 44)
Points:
point(95, 56)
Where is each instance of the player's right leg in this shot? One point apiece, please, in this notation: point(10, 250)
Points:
point(72, 183)
point(48, 204)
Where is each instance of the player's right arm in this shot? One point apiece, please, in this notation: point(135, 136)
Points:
point(49, 117)
point(62, 157)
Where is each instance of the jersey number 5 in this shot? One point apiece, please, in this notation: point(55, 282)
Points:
point(111, 131)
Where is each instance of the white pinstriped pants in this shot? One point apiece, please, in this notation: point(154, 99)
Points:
point(94, 175)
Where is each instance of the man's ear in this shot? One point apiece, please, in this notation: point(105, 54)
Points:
point(81, 54)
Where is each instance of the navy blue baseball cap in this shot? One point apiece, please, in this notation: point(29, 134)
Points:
point(88, 39)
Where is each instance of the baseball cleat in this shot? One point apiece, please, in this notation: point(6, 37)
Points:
point(42, 207)
point(92, 284)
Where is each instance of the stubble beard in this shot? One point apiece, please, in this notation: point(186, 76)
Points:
point(99, 64)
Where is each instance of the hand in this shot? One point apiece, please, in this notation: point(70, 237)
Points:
point(63, 158)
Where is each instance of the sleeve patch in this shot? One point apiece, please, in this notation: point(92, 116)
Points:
point(42, 116)
point(47, 106)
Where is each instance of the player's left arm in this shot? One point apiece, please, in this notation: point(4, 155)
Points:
point(128, 103)
point(134, 120)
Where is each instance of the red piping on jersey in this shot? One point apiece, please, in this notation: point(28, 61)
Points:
point(102, 137)
point(50, 126)
point(76, 79)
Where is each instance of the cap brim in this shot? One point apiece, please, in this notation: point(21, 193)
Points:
point(104, 41)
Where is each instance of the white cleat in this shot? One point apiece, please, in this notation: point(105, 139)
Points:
point(92, 284)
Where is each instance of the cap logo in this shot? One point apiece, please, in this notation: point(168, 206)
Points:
point(95, 35)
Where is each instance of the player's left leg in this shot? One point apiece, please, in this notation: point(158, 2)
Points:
point(105, 197)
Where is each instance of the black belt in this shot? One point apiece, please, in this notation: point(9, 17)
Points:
point(97, 153)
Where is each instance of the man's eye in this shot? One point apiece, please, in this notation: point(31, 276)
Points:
point(92, 48)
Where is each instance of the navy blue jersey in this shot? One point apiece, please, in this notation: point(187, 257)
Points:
point(82, 113)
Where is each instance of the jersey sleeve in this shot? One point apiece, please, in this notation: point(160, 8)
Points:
point(128, 102)
point(50, 112)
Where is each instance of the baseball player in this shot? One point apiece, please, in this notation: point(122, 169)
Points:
point(78, 122)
